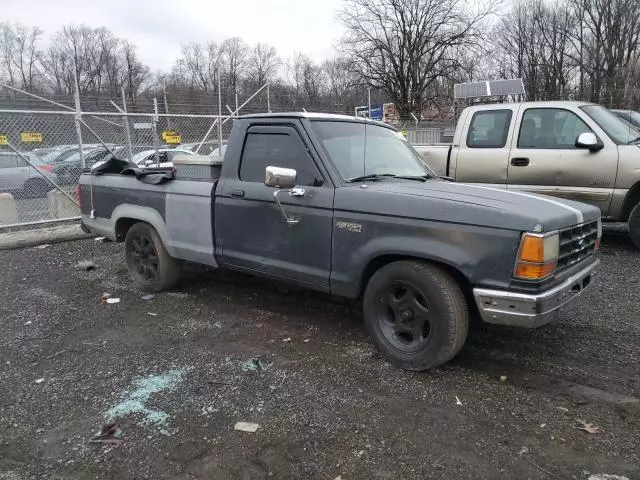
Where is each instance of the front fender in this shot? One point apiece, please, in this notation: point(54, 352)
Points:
point(483, 256)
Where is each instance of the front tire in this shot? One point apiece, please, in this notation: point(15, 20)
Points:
point(634, 225)
point(416, 314)
point(152, 269)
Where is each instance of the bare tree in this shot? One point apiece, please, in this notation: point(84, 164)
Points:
point(262, 64)
point(7, 51)
point(404, 46)
point(233, 62)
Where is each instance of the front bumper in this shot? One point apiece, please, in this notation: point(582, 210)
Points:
point(531, 311)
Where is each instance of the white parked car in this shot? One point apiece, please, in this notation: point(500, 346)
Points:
point(147, 159)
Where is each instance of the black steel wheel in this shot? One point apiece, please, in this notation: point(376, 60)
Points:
point(150, 266)
point(403, 316)
point(634, 225)
point(416, 313)
point(143, 256)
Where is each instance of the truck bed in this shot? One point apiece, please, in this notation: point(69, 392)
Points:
point(180, 210)
point(435, 156)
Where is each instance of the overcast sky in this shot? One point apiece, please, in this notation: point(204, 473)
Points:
point(159, 27)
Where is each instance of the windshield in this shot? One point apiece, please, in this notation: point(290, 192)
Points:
point(378, 151)
point(619, 131)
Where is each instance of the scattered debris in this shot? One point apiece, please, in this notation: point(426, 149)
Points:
point(148, 296)
point(217, 325)
point(588, 427)
point(113, 300)
point(503, 378)
point(100, 239)
point(458, 402)
point(306, 340)
point(178, 294)
point(286, 340)
point(206, 411)
point(339, 477)
point(542, 425)
point(258, 364)
point(86, 266)
point(246, 427)
point(134, 401)
point(28, 323)
point(563, 409)
point(40, 380)
point(152, 314)
point(523, 450)
point(109, 434)
point(56, 354)
point(359, 454)
point(538, 466)
point(104, 297)
point(43, 246)
point(606, 476)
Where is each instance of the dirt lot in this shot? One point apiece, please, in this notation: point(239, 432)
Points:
point(328, 406)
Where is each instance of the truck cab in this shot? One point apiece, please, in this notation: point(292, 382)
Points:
point(572, 150)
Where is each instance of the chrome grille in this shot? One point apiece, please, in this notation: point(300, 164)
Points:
point(577, 243)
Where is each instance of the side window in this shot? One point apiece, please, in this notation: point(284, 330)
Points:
point(489, 129)
point(277, 149)
point(11, 161)
point(550, 128)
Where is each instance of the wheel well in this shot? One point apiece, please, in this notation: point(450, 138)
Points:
point(122, 227)
point(631, 200)
point(378, 262)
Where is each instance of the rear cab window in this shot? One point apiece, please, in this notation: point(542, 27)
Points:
point(489, 129)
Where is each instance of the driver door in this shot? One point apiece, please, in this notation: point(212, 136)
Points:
point(544, 158)
point(253, 233)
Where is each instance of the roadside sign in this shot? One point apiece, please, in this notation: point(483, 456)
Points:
point(31, 137)
point(143, 126)
point(377, 112)
point(3, 139)
point(171, 137)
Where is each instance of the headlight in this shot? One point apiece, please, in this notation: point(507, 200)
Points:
point(537, 256)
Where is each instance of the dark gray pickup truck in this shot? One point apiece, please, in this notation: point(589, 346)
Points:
point(345, 206)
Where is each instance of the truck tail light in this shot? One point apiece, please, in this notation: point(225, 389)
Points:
point(47, 168)
point(537, 256)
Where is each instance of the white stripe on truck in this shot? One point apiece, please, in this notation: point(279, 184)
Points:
point(578, 213)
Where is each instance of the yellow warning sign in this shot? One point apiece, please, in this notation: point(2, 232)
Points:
point(31, 137)
point(3, 139)
point(171, 137)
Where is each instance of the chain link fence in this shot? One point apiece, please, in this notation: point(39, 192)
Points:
point(44, 152)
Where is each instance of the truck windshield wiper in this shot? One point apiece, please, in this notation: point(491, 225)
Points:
point(420, 178)
point(371, 176)
point(635, 140)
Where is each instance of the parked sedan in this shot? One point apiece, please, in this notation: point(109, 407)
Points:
point(17, 175)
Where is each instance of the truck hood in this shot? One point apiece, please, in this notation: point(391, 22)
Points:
point(463, 203)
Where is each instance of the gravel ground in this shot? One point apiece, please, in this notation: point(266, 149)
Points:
point(329, 405)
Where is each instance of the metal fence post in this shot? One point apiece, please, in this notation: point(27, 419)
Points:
point(268, 100)
point(155, 131)
point(125, 119)
point(78, 118)
point(219, 116)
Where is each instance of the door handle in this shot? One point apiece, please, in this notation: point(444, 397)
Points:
point(237, 193)
point(520, 162)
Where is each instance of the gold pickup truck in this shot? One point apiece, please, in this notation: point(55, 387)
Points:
point(573, 150)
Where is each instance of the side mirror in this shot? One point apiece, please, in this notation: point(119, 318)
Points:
point(280, 177)
point(589, 141)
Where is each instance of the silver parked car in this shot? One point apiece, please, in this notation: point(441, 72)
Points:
point(16, 175)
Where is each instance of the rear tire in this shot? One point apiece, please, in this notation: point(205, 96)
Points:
point(634, 225)
point(416, 314)
point(152, 269)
